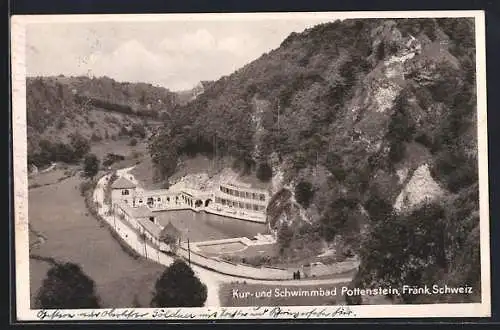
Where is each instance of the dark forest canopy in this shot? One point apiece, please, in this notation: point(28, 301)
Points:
point(323, 84)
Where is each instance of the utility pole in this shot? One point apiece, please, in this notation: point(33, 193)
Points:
point(189, 246)
point(189, 253)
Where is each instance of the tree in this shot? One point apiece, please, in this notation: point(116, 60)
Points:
point(285, 236)
point(178, 286)
point(171, 240)
point(264, 172)
point(405, 249)
point(335, 165)
point(378, 208)
point(80, 146)
point(67, 287)
point(304, 193)
point(91, 166)
point(339, 214)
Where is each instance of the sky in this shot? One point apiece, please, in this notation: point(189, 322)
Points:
point(176, 54)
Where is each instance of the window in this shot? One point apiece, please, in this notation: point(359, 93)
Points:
point(255, 207)
point(262, 197)
point(125, 192)
point(159, 199)
point(247, 194)
point(248, 206)
point(254, 195)
point(261, 208)
point(241, 205)
point(140, 201)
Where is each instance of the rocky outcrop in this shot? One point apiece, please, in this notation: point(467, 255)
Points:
point(420, 188)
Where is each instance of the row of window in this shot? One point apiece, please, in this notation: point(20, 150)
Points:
point(243, 194)
point(240, 205)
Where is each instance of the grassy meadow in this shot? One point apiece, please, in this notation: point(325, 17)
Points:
point(57, 211)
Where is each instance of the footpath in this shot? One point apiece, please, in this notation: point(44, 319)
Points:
point(210, 277)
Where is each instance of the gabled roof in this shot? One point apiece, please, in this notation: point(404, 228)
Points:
point(150, 227)
point(123, 183)
point(137, 212)
point(142, 212)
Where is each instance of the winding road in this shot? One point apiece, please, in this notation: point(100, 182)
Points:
point(212, 279)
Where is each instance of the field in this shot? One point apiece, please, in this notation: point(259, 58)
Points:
point(143, 173)
point(59, 173)
point(58, 212)
point(120, 147)
point(133, 155)
point(241, 295)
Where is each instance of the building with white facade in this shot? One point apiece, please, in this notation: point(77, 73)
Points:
point(229, 199)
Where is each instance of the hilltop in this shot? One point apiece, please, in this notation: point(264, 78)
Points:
point(94, 109)
point(369, 129)
point(186, 96)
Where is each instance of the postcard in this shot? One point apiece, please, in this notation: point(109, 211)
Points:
point(320, 165)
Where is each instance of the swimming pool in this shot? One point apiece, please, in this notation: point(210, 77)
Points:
point(205, 226)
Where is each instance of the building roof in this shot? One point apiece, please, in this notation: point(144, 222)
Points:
point(150, 227)
point(123, 183)
point(153, 193)
point(137, 212)
point(142, 212)
point(170, 229)
point(195, 193)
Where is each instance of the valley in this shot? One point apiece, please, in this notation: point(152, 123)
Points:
point(362, 132)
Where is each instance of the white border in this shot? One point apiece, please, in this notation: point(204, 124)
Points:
point(24, 313)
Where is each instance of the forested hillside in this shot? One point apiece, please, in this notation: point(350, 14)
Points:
point(62, 110)
point(369, 127)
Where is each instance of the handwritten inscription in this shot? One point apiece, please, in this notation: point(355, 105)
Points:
point(187, 314)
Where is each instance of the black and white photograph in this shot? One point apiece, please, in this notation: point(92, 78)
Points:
point(243, 166)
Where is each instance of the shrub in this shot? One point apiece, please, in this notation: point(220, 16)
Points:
point(264, 172)
point(397, 152)
point(112, 158)
point(136, 154)
point(133, 142)
point(455, 170)
point(91, 166)
point(85, 186)
point(285, 236)
point(304, 193)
